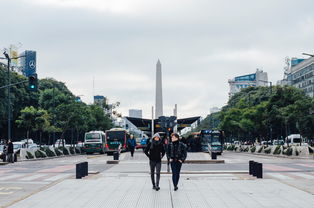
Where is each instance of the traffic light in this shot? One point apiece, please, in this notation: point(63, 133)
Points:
point(32, 82)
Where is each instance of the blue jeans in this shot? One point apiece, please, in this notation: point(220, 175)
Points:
point(175, 168)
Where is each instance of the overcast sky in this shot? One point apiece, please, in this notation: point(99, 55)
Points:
point(200, 43)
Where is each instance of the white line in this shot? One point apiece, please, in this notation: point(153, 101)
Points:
point(57, 177)
point(303, 175)
point(30, 178)
point(279, 176)
point(11, 176)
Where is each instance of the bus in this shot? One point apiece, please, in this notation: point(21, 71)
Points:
point(212, 140)
point(116, 140)
point(94, 141)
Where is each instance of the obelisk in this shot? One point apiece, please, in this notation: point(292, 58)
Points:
point(159, 105)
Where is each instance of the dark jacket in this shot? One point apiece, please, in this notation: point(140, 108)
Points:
point(156, 152)
point(177, 151)
point(131, 143)
point(10, 148)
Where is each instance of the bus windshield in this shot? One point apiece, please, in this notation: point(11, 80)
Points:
point(216, 138)
point(115, 135)
point(92, 137)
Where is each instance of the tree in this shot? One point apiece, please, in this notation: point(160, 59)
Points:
point(41, 122)
point(27, 119)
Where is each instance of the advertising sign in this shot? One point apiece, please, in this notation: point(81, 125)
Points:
point(28, 63)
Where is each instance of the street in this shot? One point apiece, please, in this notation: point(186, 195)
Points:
point(23, 180)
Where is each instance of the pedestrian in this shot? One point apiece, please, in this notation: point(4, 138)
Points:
point(10, 152)
point(155, 151)
point(131, 145)
point(176, 153)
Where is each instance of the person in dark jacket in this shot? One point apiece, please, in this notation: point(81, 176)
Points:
point(155, 151)
point(10, 152)
point(131, 145)
point(176, 153)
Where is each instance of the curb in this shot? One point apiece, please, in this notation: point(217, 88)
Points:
point(200, 161)
point(272, 155)
point(3, 163)
point(113, 161)
point(196, 172)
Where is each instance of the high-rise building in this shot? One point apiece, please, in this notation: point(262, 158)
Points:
point(158, 103)
point(135, 113)
point(259, 78)
point(99, 100)
point(301, 75)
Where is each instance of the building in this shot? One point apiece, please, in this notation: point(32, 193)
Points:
point(135, 113)
point(301, 75)
point(259, 78)
point(99, 100)
point(214, 110)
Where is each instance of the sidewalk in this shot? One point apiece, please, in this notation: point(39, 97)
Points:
point(198, 192)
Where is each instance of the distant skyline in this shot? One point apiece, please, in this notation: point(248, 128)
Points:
point(201, 44)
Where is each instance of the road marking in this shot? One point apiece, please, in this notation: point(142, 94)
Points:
point(33, 177)
point(9, 177)
point(57, 169)
point(279, 176)
point(6, 193)
point(278, 168)
point(303, 175)
point(306, 165)
point(57, 177)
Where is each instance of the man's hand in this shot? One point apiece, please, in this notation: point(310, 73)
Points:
point(180, 161)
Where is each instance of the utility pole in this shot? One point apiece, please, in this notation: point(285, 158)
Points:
point(9, 94)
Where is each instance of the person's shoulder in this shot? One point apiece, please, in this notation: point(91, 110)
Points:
point(182, 144)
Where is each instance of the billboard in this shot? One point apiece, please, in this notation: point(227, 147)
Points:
point(28, 63)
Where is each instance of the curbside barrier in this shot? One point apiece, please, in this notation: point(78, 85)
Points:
point(81, 170)
point(256, 169)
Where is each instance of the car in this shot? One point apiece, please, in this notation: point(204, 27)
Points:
point(2, 153)
point(60, 142)
point(278, 142)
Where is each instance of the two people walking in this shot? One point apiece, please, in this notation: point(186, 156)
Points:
point(176, 154)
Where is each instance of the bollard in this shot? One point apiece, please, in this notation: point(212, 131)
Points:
point(214, 155)
point(259, 170)
point(85, 168)
point(79, 171)
point(254, 168)
point(251, 167)
point(116, 156)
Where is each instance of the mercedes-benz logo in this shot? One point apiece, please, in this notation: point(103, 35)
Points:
point(32, 64)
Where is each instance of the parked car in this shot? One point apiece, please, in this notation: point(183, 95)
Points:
point(2, 153)
point(60, 142)
point(278, 142)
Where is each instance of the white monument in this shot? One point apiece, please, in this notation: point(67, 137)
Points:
point(158, 104)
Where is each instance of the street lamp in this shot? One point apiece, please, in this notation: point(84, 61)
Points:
point(307, 54)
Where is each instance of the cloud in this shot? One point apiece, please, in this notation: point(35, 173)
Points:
point(201, 44)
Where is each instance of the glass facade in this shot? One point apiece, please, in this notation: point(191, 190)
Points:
point(249, 77)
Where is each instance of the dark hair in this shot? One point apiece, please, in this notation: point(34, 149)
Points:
point(176, 135)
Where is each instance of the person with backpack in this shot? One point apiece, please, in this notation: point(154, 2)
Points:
point(176, 154)
point(155, 151)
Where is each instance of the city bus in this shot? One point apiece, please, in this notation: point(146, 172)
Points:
point(116, 140)
point(212, 140)
point(94, 141)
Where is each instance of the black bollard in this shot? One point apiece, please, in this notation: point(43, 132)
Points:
point(254, 168)
point(85, 168)
point(214, 155)
point(116, 156)
point(251, 167)
point(79, 171)
point(259, 170)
